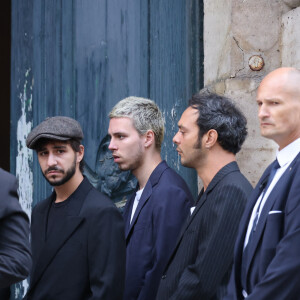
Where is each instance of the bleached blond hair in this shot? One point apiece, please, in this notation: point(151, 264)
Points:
point(145, 115)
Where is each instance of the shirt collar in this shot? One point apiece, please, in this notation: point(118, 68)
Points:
point(288, 153)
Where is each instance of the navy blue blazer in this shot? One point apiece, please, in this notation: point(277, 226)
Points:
point(84, 257)
point(163, 207)
point(200, 265)
point(273, 266)
point(15, 255)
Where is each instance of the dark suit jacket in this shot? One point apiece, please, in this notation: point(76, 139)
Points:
point(85, 257)
point(15, 256)
point(273, 267)
point(200, 264)
point(162, 209)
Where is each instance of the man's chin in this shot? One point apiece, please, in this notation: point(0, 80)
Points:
point(123, 168)
point(266, 134)
point(55, 182)
point(185, 164)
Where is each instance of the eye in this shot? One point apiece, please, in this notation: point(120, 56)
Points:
point(121, 137)
point(42, 153)
point(60, 151)
point(259, 103)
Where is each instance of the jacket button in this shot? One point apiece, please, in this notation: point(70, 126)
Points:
point(164, 277)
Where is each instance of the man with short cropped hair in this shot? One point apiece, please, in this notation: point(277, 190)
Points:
point(77, 234)
point(211, 132)
point(155, 213)
point(267, 260)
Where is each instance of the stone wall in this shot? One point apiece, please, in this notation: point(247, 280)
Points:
point(244, 41)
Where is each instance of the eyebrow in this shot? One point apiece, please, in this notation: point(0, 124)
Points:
point(54, 147)
point(60, 147)
point(182, 127)
point(117, 133)
point(269, 99)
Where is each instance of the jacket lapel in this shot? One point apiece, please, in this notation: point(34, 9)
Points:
point(248, 211)
point(265, 211)
point(127, 213)
point(202, 198)
point(55, 241)
point(152, 181)
point(143, 200)
point(64, 229)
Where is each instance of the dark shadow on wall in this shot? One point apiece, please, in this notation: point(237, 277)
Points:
point(5, 34)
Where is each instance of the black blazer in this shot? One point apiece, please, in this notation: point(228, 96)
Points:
point(200, 264)
point(162, 209)
point(85, 257)
point(15, 256)
point(273, 266)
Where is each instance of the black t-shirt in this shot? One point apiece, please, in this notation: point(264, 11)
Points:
point(56, 211)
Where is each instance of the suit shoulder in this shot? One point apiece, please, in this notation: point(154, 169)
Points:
point(171, 187)
point(234, 190)
point(6, 179)
point(97, 200)
point(238, 180)
point(9, 200)
point(171, 177)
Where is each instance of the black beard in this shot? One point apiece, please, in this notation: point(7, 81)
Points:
point(68, 175)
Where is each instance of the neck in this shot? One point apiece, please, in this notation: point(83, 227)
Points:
point(143, 172)
point(63, 192)
point(213, 164)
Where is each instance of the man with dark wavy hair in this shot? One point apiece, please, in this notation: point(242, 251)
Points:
point(211, 132)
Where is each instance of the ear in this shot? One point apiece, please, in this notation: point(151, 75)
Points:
point(80, 154)
point(149, 138)
point(210, 138)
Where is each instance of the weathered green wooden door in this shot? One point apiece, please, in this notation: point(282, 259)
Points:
point(80, 57)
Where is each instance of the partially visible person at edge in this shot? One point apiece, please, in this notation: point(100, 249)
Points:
point(267, 251)
point(15, 254)
point(155, 213)
point(77, 234)
point(211, 132)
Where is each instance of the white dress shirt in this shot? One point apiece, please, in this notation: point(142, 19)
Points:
point(137, 198)
point(284, 158)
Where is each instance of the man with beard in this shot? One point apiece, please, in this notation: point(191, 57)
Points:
point(211, 132)
point(77, 233)
point(155, 213)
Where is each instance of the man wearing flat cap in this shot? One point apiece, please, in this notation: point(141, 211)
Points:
point(78, 244)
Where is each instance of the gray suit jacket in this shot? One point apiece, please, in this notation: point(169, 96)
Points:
point(200, 264)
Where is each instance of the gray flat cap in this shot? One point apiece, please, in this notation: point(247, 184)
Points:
point(55, 128)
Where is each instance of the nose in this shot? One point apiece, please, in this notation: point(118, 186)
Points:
point(176, 138)
point(112, 145)
point(51, 160)
point(263, 111)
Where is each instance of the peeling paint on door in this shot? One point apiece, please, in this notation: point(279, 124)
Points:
point(24, 161)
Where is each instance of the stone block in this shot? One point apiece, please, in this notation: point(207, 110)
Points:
point(257, 152)
point(217, 40)
point(291, 38)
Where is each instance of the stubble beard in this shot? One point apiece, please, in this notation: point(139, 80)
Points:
point(135, 163)
point(194, 158)
point(68, 174)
